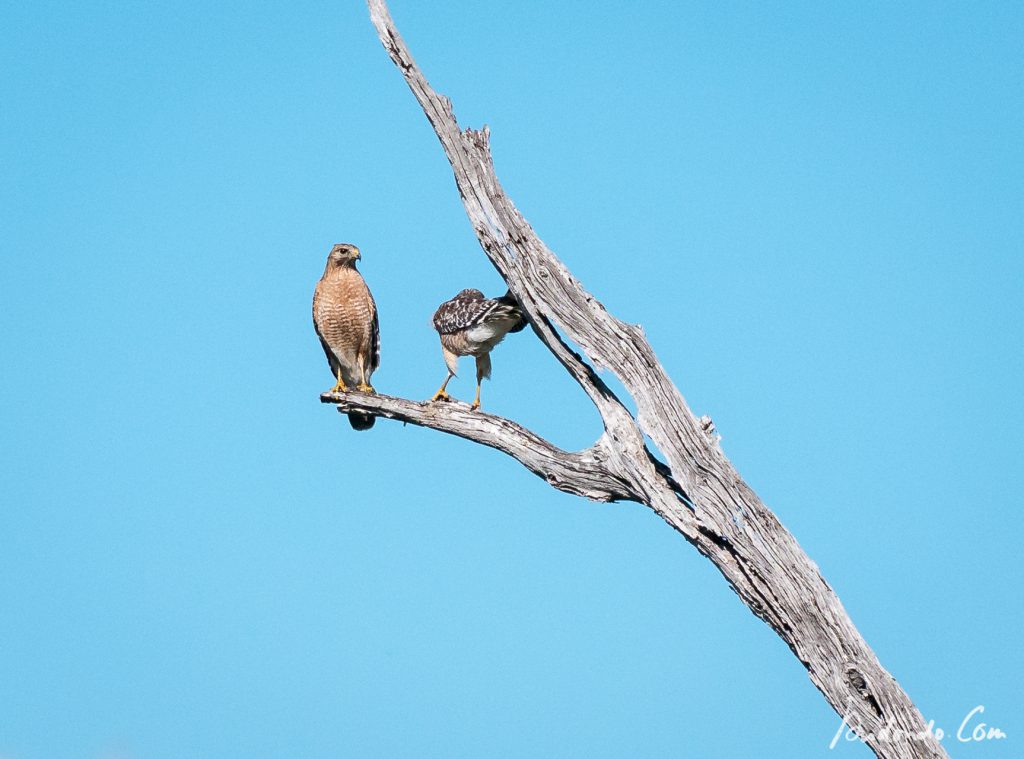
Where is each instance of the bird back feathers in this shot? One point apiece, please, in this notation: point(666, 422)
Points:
point(470, 308)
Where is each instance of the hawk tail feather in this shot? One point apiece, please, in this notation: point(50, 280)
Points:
point(360, 420)
point(510, 305)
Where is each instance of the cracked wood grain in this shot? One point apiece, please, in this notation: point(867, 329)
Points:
point(695, 489)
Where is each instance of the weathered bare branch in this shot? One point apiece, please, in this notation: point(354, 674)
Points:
point(697, 490)
point(584, 473)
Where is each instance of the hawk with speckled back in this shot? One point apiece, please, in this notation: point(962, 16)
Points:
point(345, 318)
point(471, 325)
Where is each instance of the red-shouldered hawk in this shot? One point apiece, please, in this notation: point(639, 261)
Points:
point(471, 325)
point(345, 318)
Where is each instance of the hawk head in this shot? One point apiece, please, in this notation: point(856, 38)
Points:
point(343, 254)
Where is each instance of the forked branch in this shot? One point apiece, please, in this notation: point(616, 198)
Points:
point(696, 489)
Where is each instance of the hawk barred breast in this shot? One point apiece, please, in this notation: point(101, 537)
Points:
point(345, 318)
point(471, 325)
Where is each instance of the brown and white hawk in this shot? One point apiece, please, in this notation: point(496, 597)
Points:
point(345, 318)
point(471, 325)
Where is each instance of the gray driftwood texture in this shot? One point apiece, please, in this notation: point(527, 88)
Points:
point(696, 490)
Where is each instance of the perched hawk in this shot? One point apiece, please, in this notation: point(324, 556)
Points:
point(345, 318)
point(471, 325)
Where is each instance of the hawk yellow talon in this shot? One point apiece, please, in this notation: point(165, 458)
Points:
point(339, 387)
point(364, 388)
point(441, 395)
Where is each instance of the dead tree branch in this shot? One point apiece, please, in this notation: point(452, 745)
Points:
point(585, 473)
point(696, 490)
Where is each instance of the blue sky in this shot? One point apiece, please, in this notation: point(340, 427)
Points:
point(814, 209)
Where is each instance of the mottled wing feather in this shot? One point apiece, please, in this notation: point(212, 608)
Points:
point(458, 314)
point(462, 312)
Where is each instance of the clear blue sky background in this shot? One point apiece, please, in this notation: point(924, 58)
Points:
point(814, 209)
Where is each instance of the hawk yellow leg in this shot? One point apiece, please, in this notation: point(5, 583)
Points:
point(339, 387)
point(442, 394)
point(483, 369)
point(364, 386)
